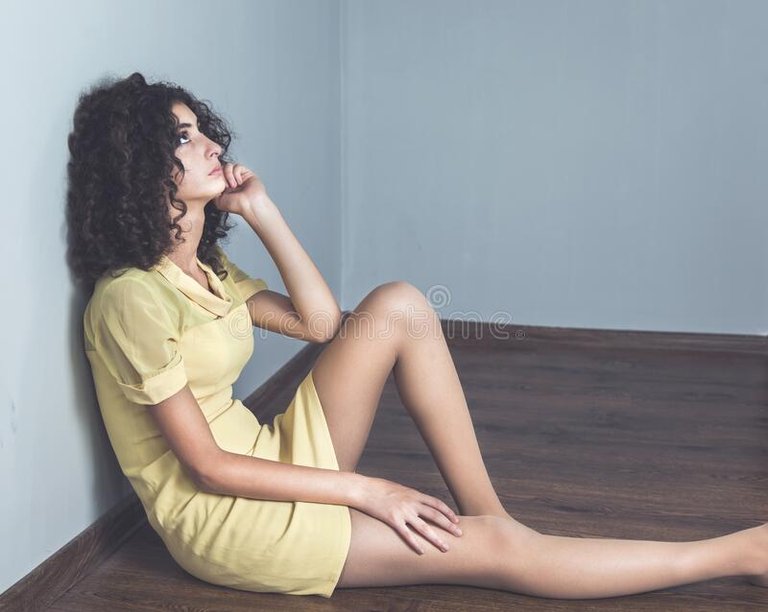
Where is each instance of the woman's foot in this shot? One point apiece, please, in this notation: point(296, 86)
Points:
point(760, 576)
point(759, 580)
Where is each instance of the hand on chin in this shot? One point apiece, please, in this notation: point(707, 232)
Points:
point(243, 192)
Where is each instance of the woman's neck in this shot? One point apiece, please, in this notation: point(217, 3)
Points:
point(184, 254)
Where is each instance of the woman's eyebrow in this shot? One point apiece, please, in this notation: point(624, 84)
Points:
point(186, 125)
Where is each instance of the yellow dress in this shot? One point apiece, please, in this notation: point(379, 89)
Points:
point(147, 334)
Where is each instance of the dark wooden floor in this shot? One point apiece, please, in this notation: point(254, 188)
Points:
point(624, 437)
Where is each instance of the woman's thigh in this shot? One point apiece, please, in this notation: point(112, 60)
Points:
point(487, 554)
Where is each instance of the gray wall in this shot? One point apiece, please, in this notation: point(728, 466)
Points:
point(585, 164)
point(591, 164)
point(271, 67)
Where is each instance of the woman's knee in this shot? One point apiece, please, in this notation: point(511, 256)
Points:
point(395, 295)
point(509, 546)
point(396, 304)
point(489, 554)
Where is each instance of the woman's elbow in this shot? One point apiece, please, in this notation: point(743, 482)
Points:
point(328, 331)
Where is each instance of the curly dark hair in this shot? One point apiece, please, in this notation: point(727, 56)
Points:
point(122, 155)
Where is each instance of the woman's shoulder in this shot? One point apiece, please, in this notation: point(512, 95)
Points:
point(130, 287)
point(125, 298)
point(126, 279)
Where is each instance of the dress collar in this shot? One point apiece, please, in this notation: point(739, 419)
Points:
point(219, 304)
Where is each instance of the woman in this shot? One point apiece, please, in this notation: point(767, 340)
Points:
point(279, 507)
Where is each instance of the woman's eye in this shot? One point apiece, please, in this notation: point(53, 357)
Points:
point(183, 135)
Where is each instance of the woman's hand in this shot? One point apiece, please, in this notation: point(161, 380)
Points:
point(244, 192)
point(398, 506)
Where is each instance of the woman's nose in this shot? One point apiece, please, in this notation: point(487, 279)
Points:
point(214, 147)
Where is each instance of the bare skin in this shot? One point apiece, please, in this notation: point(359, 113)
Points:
point(395, 327)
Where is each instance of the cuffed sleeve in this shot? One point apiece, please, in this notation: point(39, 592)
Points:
point(246, 285)
point(139, 342)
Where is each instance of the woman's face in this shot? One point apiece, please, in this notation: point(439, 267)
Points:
point(200, 155)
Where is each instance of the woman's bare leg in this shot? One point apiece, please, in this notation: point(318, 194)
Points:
point(495, 550)
point(396, 327)
point(431, 391)
point(492, 553)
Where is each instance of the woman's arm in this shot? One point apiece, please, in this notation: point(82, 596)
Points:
point(182, 423)
point(315, 310)
point(258, 478)
point(309, 311)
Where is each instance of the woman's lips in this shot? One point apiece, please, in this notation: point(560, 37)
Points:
point(216, 170)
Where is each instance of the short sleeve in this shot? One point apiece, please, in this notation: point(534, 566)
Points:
point(135, 334)
point(246, 286)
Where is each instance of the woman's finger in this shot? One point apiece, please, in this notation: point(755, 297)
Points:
point(229, 173)
point(410, 538)
point(236, 175)
point(441, 506)
point(440, 518)
point(429, 533)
